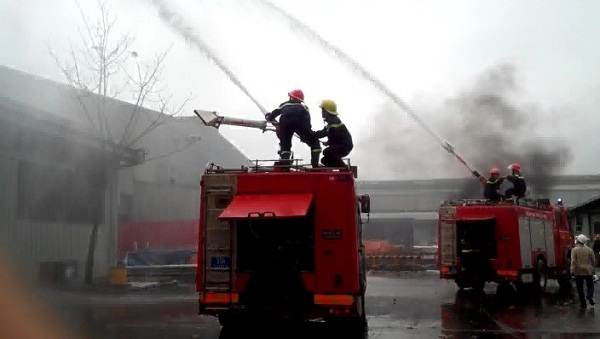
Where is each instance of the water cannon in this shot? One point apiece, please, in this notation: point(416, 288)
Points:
point(213, 119)
point(449, 148)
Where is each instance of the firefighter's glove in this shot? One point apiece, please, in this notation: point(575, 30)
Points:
point(475, 173)
point(268, 117)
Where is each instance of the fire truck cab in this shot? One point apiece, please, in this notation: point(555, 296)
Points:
point(525, 244)
point(279, 243)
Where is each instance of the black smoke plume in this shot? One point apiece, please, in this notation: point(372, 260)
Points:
point(488, 126)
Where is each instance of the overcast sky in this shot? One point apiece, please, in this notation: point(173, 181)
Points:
point(427, 52)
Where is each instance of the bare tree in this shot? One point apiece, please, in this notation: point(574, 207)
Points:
point(104, 68)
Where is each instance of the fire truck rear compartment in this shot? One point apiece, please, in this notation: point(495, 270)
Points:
point(476, 245)
point(274, 252)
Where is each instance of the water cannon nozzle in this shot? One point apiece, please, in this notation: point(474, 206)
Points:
point(449, 148)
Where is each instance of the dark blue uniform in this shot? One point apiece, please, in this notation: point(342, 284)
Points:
point(491, 188)
point(519, 186)
point(339, 141)
point(295, 118)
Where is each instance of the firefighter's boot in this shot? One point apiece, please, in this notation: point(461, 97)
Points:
point(314, 159)
point(284, 160)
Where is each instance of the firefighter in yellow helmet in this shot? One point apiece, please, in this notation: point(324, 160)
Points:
point(339, 141)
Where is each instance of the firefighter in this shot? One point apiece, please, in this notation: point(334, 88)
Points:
point(518, 181)
point(295, 118)
point(339, 141)
point(582, 267)
point(491, 188)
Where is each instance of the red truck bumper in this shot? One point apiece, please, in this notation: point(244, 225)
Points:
point(322, 306)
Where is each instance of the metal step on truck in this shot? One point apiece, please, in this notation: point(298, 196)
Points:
point(281, 242)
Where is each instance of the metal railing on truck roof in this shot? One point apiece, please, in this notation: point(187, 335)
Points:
point(278, 165)
point(543, 203)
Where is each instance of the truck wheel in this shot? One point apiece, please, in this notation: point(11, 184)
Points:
point(476, 284)
point(504, 291)
point(349, 325)
point(363, 317)
point(227, 319)
point(356, 324)
point(564, 283)
point(541, 275)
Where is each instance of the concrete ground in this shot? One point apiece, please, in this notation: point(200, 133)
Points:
point(399, 305)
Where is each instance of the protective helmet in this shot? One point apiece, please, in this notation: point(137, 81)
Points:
point(581, 238)
point(329, 106)
point(515, 167)
point(495, 170)
point(297, 94)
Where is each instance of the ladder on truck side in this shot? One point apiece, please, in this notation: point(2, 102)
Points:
point(219, 241)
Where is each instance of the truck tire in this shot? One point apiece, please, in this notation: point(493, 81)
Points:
point(476, 284)
point(227, 319)
point(356, 324)
point(363, 317)
point(564, 283)
point(504, 291)
point(541, 275)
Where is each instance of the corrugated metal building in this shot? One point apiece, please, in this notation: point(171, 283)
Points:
point(165, 187)
point(47, 180)
point(585, 217)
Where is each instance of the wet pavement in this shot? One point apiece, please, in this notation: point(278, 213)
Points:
point(399, 305)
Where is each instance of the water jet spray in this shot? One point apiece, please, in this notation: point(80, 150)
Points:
point(361, 71)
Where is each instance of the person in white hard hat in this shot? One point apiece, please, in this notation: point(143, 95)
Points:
point(582, 267)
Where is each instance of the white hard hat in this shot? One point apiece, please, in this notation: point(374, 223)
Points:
point(582, 238)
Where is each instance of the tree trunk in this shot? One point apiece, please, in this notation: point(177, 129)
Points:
point(98, 184)
point(89, 266)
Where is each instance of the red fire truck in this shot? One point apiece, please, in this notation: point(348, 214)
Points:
point(281, 242)
point(525, 244)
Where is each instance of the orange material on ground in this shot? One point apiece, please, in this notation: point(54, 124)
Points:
point(381, 247)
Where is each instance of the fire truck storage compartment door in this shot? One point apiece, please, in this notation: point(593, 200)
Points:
point(549, 236)
point(538, 237)
point(267, 205)
point(477, 234)
point(525, 237)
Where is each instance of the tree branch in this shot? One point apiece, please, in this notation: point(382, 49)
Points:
point(175, 151)
point(97, 72)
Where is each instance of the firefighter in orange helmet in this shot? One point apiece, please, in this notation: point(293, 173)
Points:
point(518, 181)
point(491, 188)
point(295, 118)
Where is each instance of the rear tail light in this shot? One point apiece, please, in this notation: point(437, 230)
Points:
point(219, 298)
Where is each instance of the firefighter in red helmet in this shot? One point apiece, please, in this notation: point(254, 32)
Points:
point(491, 188)
point(519, 186)
point(295, 118)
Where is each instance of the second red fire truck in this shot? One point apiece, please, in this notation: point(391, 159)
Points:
point(524, 244)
